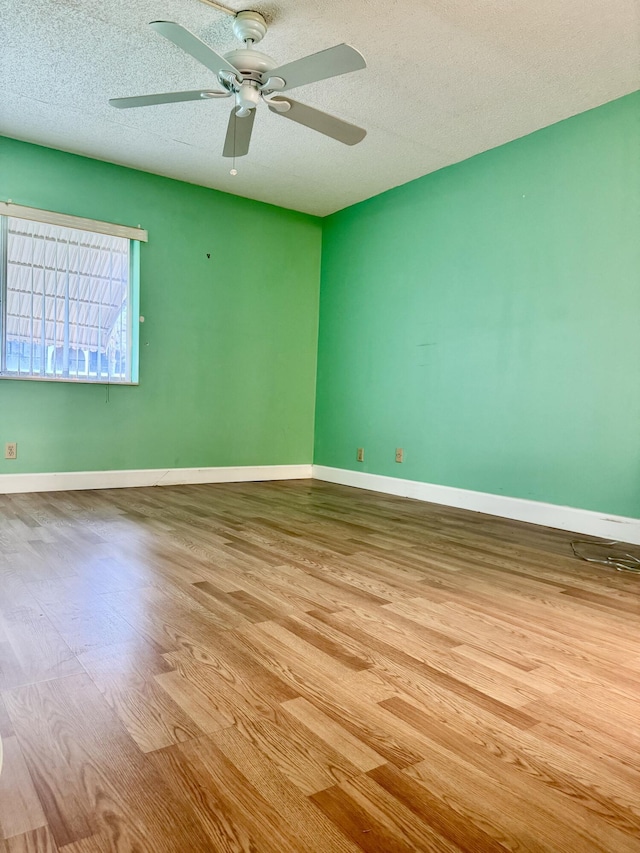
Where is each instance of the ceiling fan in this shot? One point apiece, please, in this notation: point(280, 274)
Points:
point(251, 77)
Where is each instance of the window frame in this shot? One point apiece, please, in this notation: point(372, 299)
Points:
point(135, 236)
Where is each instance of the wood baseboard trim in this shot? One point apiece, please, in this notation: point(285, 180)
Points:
point(77, 480)
point(582, 521)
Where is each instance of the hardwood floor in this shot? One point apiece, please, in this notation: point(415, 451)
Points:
point(305, 667)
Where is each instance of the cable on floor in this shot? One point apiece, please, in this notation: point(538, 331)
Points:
point(621, 562)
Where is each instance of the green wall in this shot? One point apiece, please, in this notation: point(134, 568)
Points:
point(486, 318)
point(228, 347)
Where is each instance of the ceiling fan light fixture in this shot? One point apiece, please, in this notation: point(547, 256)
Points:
point(247, 98)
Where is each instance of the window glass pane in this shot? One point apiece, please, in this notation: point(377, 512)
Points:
point(65, 314)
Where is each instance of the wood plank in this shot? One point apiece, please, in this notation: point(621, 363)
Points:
point(317, 635)
point(349, 706)
point(302, 756)
point(239, 800)
point(377, 820)
point(90, 777)
point(6, 728)
point(195, 704)
point(241, 601)
point(54, 756)
point(318, 834)
point(578, 805)
point(203, 795)
point(226, 656)
point(435, 812)
point(438, 676)
point(31, 649)
point(147, 711)
point(354, 750)
point(35, 841)
point(20, 808)
point(65, 603)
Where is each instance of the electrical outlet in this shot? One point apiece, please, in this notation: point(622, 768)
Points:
point(360, 454)
point(11, 450)
point(399, 454)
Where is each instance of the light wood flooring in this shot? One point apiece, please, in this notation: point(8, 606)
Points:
point(304, 667)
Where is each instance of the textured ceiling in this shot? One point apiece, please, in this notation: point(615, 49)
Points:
point(446, 79)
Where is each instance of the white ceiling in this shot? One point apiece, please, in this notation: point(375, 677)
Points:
point(446, 79)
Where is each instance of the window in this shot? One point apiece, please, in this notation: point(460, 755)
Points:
point(68, 298)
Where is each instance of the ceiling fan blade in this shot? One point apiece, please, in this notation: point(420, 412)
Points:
point(193, 46)
point(332, 62)
point(236, 143)
point(331, 126)
point(167, 98)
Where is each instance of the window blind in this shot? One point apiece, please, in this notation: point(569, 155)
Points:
point(66, 303)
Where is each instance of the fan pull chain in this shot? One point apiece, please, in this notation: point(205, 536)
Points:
point(234, 171)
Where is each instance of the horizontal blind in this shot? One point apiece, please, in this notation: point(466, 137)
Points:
point(66, 297)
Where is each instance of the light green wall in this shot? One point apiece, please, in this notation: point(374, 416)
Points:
point(228, 349)
point(486, 318)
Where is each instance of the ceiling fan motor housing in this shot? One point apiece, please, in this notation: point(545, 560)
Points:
point(250, 63)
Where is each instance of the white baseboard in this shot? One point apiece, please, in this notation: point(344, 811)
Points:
point(535, 512)
point(74, 480)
